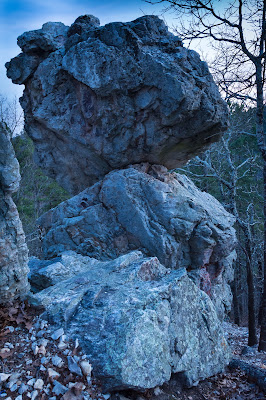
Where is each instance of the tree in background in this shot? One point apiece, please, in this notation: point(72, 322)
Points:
point(236, 29)
point(37, 192)
point(232, 176)
point(11, 115)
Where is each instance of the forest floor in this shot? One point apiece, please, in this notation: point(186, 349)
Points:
point(39, 363)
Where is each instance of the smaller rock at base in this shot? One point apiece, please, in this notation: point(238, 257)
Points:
point(52, 373)
point(73, 366)
point(34, 394)
point(31, 382)
point(86, 368)
point(23, 388)
point(39, 384)
point(57, 334)
point(59, 388)
point(4, 377)
point(57, 361)
point(19, 397)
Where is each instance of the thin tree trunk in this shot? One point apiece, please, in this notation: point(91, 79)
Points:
point(262, 144)
point(235, 297)
point(252, 335)
point(262, 342)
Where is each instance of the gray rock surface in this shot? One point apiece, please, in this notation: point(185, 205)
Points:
point(138, 322)
point(99, 98)
point(13, 249)
point(146, 208)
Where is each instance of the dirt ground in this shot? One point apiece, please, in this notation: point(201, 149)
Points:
point(32, 362)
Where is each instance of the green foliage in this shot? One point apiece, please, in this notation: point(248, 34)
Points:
point(37, 193)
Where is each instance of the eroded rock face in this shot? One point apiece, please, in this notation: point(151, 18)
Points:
point(147, 208)
point(13, 249)
point(137, 321)
point(99, 98)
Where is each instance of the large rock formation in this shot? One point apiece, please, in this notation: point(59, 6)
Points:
point(145, 207)
point(105, 106)
point(137, 321)
point(13, 249)
point(115, 95)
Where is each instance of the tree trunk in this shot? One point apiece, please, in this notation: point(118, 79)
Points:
point(262, 145)
point(235, 297)
point(262, 342)
point(252, 334)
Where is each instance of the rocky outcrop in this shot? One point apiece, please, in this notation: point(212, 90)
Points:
point(138, 321)
point(145, 207)
point(13, 249)
point(99, 98)
point(111, 108)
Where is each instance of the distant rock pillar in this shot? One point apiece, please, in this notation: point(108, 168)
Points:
point(13, 249)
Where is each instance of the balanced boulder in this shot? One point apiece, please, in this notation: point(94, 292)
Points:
point(100, 98)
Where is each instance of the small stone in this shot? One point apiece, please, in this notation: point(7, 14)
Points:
point(31, 382)
point(19, 397)
point(44, 360)
point(4, 377)
point(5, 350)
point(59, 388)
point(157, 391)
point(28, 362)
point(34, 394)
point(43, 324)
point(57, 334)
point(23, 388)
point(73, 366)
point(42, 350)
point(43, 342)
point(42, 368)
point(13, 387)
point(52, 373)
point(39, 384)
point(62, 345)
point(35, 348)
point(106, 396)
point(11, 328)
point(86, 368)
point(57, 361)
point(9, 345)
point(40, 334)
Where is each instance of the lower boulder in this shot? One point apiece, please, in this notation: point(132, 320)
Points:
point(137, 321)
point(144, 207)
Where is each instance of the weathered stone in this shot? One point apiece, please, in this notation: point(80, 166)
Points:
point(13, 249)
point(138, 322)
point(45, 273)
point(104, 97)
point(144, 207)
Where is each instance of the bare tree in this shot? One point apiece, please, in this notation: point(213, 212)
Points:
point(11, 115)
point(232, 174)
point(239, 27)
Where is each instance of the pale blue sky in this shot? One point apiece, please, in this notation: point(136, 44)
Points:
point(18, 16)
